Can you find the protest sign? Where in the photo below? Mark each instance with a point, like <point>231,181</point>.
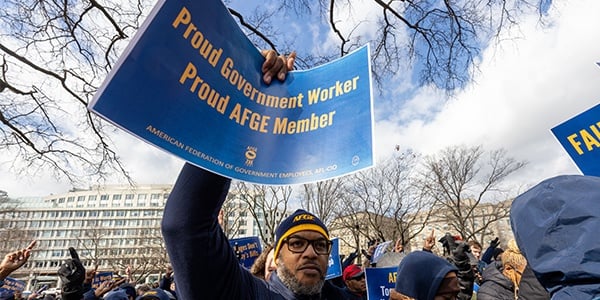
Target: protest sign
<point>580,137</point>
<point>13,284</point>
<point>190,83</point>
<point>334,268</point>
<point>247,249</point>
<point>101,277</point>
<point>379,282</point>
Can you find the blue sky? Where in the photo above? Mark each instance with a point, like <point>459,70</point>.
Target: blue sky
<point>524,87</point>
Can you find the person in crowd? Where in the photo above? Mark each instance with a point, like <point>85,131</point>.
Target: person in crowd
<point>167,282</point>
<point>501,278</point>
<point>195,240</point>
<point>264,265</point>
<point>459,254</point>
<point>15,260</point>
<point>555,224</point>
<point>140,289</point>
<point>11,262</point>
<point>423,275</point>
<point>354,279</point>
<point>492,252</point>
<point>399,246</point>
<point>477,264</point>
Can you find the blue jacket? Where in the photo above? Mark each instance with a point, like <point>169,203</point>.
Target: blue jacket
<point>556,226</point>
<point>204,263</point>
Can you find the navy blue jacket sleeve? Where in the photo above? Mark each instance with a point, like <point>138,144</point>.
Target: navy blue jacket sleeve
<point>204,264</point>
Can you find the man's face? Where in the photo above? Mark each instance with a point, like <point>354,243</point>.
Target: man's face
<point>357,284</point>
<point>476,252</point>
<point>303,273</point>
<point>270,265</point>
<point>449,288</point>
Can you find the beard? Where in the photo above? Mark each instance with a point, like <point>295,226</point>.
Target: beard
<point>291,282</point>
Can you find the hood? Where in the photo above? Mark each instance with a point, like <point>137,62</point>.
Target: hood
<point>556,226</point>
<point>420,274</point>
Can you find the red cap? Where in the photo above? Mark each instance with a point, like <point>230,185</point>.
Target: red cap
<point>352,271</point>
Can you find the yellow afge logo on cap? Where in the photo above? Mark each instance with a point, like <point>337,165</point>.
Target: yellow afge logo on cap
<point>304,217</point>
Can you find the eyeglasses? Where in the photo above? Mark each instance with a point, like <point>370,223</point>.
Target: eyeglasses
<point>357,278</point>
<point>298,244</point>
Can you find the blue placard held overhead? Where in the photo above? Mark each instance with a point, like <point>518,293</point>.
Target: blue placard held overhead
<point>190,83</point>
<point>334,268</point>
<point>580,136</point>
<point>247,249</point>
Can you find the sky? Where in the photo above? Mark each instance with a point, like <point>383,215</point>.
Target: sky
<point>524,88</point>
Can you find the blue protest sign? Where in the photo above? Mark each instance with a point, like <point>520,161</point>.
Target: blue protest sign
<point>379,282</point>
<point>247,249</point>
<point>13,284</point>
<point>580,137</point>
<point>334,267</point>
<point>190,83</point>
<point>101,277</point>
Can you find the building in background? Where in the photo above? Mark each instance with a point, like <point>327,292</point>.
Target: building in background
<point>110,226</point>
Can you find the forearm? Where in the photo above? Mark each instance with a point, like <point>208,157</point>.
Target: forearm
<point>200,254</point>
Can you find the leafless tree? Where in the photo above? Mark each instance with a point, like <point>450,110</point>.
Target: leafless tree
<point>462,180</point>
<point>268,205</point>
<point>322,198</point>
<point>382,202</point>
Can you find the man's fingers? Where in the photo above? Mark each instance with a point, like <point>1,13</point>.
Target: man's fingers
<point>291,59</point>
<point>31,245</point>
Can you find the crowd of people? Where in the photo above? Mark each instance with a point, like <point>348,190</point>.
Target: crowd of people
<point>555,253</point>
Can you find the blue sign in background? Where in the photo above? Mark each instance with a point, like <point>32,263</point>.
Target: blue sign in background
<point>13,284</point>
<point>247,249</point>
<point>334,268</point>
<point>580,137</point>
<point>190,83</point>
<point>379,282</point>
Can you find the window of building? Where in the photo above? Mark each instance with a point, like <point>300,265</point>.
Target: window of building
<point>142,196</point>
<point>61,200</point>
<point>121,213</point>
<point>116,197</point>
<point>71,199</point>
<point>80,198</point>
<point>104,197</point>
<point>92,198</point>
<point>93,213</point>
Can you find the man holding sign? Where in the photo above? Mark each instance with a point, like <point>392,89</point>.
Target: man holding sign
<point>195,240</point>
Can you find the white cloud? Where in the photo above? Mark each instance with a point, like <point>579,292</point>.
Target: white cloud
<point>524,89</point>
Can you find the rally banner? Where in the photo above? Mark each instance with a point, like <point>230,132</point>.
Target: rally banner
<point>190,83</point>
<point>379,282</point>
<point>247,249</point>
<point>13,284</point>
<point>334,268</point>
<point>580,137</point>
